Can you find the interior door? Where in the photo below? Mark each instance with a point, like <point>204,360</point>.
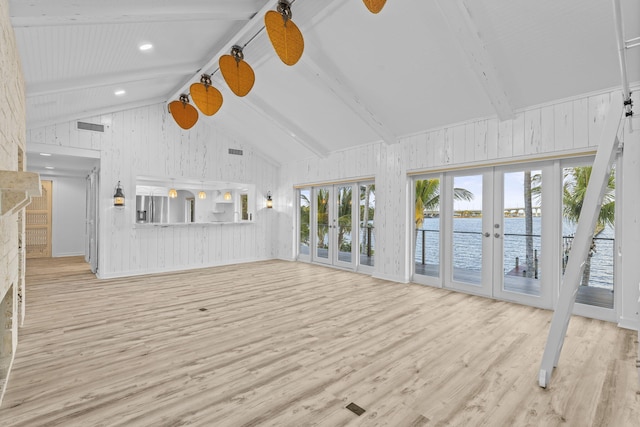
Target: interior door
<point>38,224</point>
<point>91,232</point>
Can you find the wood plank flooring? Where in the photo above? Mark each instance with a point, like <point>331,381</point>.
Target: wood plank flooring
<point>292,344</point>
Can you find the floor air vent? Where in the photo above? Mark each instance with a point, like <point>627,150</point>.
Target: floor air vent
<point>90,126</point>
<point>235,151</point>
<point>355,409</point>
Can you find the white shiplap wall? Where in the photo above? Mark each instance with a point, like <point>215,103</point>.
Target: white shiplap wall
<point>146,141</point>
<point>568,127</point>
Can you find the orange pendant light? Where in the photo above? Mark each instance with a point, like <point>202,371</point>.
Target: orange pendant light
<point>183,113</point>
<point>374,6</point>
<point>236,72</point>
<point>206,97</point>
<point>285,36</point>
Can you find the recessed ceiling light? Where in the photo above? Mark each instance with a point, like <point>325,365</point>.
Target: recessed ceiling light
<point>49,167</point>
<point>146,46</point>
<point>46,154</point>
<point>120,92</point>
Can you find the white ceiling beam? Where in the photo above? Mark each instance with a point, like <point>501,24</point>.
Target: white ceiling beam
<point>254,25</point>
<point>85,114</point>
<point>108,79</point>
<point>462,25</point>
<point>315,62</point>
<point>261,107</point>
<point>35,13</point>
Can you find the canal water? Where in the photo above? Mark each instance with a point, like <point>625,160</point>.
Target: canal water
<point>467,246</point>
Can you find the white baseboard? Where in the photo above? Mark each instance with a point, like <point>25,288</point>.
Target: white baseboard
<point>390,277</point>
<point>173,269</point>
<point>632,324</point>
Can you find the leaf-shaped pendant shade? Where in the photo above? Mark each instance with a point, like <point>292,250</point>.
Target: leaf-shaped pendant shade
<point>238,74</point>
<point>183,113</point>
<point>207,98</point>
<point>286,38</point>
<point>374,6</point>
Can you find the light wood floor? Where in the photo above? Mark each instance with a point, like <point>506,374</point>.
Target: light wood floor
<point>291,344</point>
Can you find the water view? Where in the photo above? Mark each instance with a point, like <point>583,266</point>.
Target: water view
<point>467,247</point>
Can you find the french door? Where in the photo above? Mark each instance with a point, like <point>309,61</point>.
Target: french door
<point>489,232</point>
<point>333,231</point>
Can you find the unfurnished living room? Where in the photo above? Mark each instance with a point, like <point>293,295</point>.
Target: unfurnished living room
<point>304,213</point>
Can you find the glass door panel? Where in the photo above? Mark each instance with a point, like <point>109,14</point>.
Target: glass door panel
<point>304,237</point>
<point>522,238</point>
<point>597,284</point>
<point>467,229</point>
<point>342,224</point>
<point>322,207</point>
<point>427,227</point>
<point>367,221</point>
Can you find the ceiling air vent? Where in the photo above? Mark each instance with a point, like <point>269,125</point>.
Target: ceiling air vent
<point>235,151</point>
<point>90,126</point>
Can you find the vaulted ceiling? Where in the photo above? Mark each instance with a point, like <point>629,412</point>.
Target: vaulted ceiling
<point>363,78</point>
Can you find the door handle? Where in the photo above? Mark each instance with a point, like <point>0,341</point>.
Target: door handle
<point>496,235</point>
<point>487,234</point>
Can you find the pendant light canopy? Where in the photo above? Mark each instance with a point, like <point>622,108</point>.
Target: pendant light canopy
<point>374,6</point>
<point>236,72</point>
<point>284,35</point>
<point>206,97</point>
<point>183,113</point>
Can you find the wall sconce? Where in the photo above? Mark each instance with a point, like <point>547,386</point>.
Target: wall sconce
<point>269,200</point>
<point>227,196</point>
<point>173,193</point>
<point>202,195</point>
<point>118,197</point>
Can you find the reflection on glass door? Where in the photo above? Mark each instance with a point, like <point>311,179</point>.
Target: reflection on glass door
<point>322,207</point>
<point>522,237</point>
<point>367,221</point>
<point>304,220</point>
<point>467,230</point>
<point>427,227</point>
<point>343,225</point>
<point>597,283</point>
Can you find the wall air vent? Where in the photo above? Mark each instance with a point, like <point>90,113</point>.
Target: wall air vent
<point>90,126</point>
<point>235,151</point>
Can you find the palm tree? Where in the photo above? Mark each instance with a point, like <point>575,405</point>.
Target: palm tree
<point>428,198</point>
<point>532,191</point>
<point>367,212</point>
<point>344,215</point>
<point>322,214</point>
<point>305,218</point>
<point>573,191</point>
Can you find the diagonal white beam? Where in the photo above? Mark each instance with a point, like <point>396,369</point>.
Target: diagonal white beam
<point>317,64</point>
<point>83,114</point>
<point>462,25</point>
<point>36,13</point>
<point>254,25</point>
<point>108,79</point>
<point>598,180</point>
<point>261,107</point>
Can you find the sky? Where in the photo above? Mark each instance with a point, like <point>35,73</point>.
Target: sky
<point>513,191</point>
